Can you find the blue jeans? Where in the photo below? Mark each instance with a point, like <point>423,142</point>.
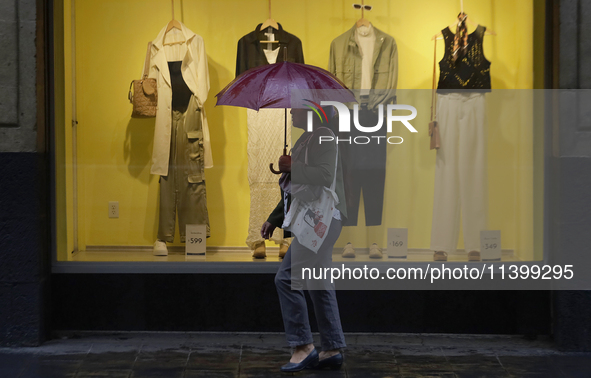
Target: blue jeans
<point>293,301</point>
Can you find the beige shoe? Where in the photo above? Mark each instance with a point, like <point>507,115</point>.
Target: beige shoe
<point>160,248</point>
<point>349,251</point>
<point>439,256</point>
<point>283,250</point>
<point>260,251</point>
<point>375,252</point>
<point>474,256</point>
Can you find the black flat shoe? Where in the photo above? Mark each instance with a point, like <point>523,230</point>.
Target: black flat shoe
<point>309,361</point>
<point>333,362</point>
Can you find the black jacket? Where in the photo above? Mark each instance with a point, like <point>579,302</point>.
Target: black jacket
<point>250,51</point>
<point>318,171</point>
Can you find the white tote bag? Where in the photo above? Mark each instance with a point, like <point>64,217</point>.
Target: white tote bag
<point>310,221</point>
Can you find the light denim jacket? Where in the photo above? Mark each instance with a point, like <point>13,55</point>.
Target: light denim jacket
<point>345,63</point>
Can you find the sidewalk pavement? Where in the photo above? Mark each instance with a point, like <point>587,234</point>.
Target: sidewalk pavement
<point>216,355</point>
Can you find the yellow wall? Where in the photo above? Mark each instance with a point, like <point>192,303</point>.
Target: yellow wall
<point>114,149</point>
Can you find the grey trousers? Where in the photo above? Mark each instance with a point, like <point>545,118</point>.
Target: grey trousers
<point>183,190</point>
<point>292,299</point>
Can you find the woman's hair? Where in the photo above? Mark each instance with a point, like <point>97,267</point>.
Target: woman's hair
<point>333,118</point>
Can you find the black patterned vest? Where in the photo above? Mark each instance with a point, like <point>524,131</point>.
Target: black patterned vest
<point>472,72</point>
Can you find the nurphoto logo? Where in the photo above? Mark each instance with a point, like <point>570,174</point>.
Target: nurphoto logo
<point>345,122</point>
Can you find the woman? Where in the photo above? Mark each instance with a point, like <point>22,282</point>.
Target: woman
<point>319,170</point>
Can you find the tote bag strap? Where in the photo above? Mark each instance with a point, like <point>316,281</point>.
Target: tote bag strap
<point>334,181</point>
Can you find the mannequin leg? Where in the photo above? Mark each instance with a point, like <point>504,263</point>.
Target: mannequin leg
<point>190,186</point>
<point>263,199</point>
<point>168,187</point>
<point>265,131</point>
<point>473,171</point>
<point>446,204</point>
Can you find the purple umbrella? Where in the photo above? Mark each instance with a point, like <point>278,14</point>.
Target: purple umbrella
<point>272,86</point>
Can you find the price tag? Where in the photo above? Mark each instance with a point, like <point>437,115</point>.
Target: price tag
<point>195,240</point>
<point>398,243</point>
<point>490,245</point>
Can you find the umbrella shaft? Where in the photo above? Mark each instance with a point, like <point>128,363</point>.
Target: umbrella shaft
<point>285,134</point>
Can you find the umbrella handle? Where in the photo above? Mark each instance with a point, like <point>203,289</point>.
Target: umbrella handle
<point>271,165</point>
<point>273,170</point>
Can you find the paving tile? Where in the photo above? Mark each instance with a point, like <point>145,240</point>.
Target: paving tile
<point>418,351</point>
<point>44,373</point>
<point>158,361</point>
<point>210,374</point>
<point>154,363</point>
<point>114,356</point>
<point>262,362</point>
<point>104,373</point>
<point>63,357</point>
<point>164,355</point>
<point>42,368</point>
<point>536,375</point>
<point>531,366</point>
<point>363,373</point>
<point>224,361</point>
<point>116,361</point>
<point>430,366</point>
<point>12,359</point>
<point>427,375</point>
<point>475,372</point>
<point>474,360</point>
<point>420,360</point>
<point>342,373</point>
<point>573,366</point>
<point>370,364</point>
<point>369,357</point>
<point>477,366</point>
<point>158,372</point>
<point>11,371</point>
<point>119,348</point>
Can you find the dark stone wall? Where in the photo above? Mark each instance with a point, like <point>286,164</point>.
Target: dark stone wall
<point>24,191</point>
<point>24,248</point>
<point>569,168</point>
<point>249,303</point>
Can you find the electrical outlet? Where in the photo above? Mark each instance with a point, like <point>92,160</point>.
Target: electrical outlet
<point>113,209</point>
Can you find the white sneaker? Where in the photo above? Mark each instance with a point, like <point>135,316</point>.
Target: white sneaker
<point>160,248</point>
<point>375,252</point>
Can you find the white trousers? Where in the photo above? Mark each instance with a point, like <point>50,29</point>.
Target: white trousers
<point>461,185</point>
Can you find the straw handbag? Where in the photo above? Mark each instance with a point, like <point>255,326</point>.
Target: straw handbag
<point>145,95</point>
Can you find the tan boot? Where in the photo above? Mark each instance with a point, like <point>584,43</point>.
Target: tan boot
<point>474,256</point>
<point>349,251</point>
<point>283,250</point>
<point>439,256</point>
<point>259,251</point>
<point>375,252</point>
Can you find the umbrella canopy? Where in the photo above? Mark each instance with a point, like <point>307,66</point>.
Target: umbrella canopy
<point>272,86</point>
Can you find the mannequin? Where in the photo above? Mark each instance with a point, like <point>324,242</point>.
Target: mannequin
<point>358,53</point>
<point>181,136</point>
<point>461,187</point>
<point>265,130</point>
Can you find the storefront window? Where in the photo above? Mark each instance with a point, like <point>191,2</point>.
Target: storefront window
<point>127,188</point>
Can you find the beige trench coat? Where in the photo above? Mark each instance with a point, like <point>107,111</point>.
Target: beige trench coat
<point>195,73</point>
